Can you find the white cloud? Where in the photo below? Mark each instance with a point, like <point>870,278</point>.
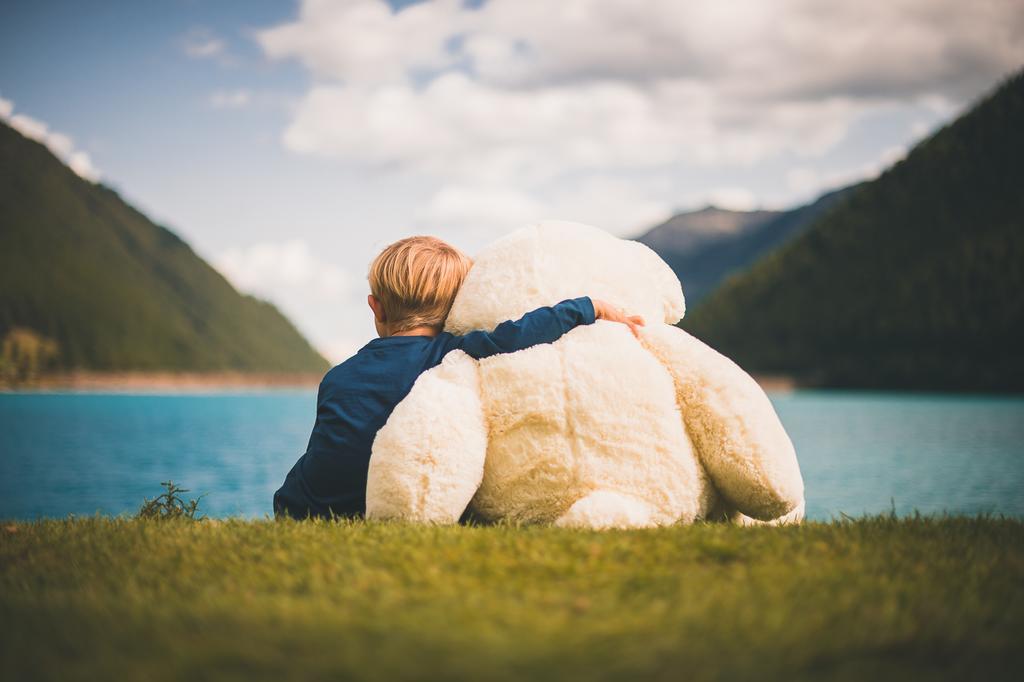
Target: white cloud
<point>306,288</point>
<point>363,40</point>
<point>467,206</point>
<point>230,99</point>
<point>59,143</point>
<point>202,43</point>
<point>80,163</point>
<point>31,128</point>
<point>732,198</point>
<point>261,268</point>
<point>524,101</point>
<point>458,128</point>
<point>750,48</point>
<point>919,129</point>
<point>62,146</point>
<point>620,205</point>
<point>889,156</point>
<point>807,183</point>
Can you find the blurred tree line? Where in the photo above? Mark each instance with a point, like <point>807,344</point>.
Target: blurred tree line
<point>24,355</point>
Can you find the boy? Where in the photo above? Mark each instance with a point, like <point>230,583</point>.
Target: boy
<point>413,284</point>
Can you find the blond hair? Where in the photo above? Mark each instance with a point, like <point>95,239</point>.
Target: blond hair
<point>416,280</point>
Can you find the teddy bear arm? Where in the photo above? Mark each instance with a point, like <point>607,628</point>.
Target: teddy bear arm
<point>736,433</point>
<point>428,459</point>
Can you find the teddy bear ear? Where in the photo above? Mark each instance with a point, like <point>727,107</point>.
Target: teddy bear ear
<point>550,261</point>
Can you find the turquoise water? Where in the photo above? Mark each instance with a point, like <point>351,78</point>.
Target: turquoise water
<point>76,453</point>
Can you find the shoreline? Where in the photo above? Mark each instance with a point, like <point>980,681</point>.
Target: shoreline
<point>166,381</point>
<point>776,383</point>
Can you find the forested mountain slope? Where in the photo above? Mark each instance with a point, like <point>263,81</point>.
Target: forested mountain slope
<point>915,280</point>
<point>106,289</point>
<point>703,258</point>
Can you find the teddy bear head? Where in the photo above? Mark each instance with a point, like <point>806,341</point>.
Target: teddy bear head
<point>546,262</point>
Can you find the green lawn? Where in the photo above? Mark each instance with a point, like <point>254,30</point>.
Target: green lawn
<point>874,598</point>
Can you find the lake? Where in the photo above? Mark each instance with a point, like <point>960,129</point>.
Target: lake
<point>82,453</point>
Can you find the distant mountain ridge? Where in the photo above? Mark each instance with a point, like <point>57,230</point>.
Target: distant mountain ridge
<point>686,232</point>
<point>81,268</point>
<point>914,280</point>
<point>706,246</point>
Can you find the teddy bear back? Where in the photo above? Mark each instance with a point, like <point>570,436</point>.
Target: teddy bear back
<point>549,261</point>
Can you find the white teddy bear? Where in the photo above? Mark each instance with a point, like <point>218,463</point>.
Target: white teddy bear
<point>596,430</point>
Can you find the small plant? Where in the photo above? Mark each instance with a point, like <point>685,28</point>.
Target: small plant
<point>170,505</point>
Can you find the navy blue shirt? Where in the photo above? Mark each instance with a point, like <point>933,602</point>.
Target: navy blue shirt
<point>357,396</point>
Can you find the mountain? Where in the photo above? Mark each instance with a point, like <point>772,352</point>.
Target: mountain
<point>915,280</point>
<point>702,257</point>
<point>685,233</point>
<point>98,286</point>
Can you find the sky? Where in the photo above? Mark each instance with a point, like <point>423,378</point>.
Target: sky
<point>288,142</point>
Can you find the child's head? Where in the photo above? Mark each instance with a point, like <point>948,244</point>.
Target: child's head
<point>413,283</point>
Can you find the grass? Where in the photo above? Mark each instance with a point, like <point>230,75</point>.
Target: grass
<point>888,598</point>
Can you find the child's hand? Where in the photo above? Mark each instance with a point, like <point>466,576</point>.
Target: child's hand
<point>606,311</point>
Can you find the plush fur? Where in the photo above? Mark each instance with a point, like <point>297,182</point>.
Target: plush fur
<point>428,460</point>
<point>555,260</point>
<point>596,430</point>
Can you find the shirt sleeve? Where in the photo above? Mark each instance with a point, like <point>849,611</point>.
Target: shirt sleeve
<point>543,325</point>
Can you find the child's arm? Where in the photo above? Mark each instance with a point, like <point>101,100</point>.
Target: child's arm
<point>543,325</point>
